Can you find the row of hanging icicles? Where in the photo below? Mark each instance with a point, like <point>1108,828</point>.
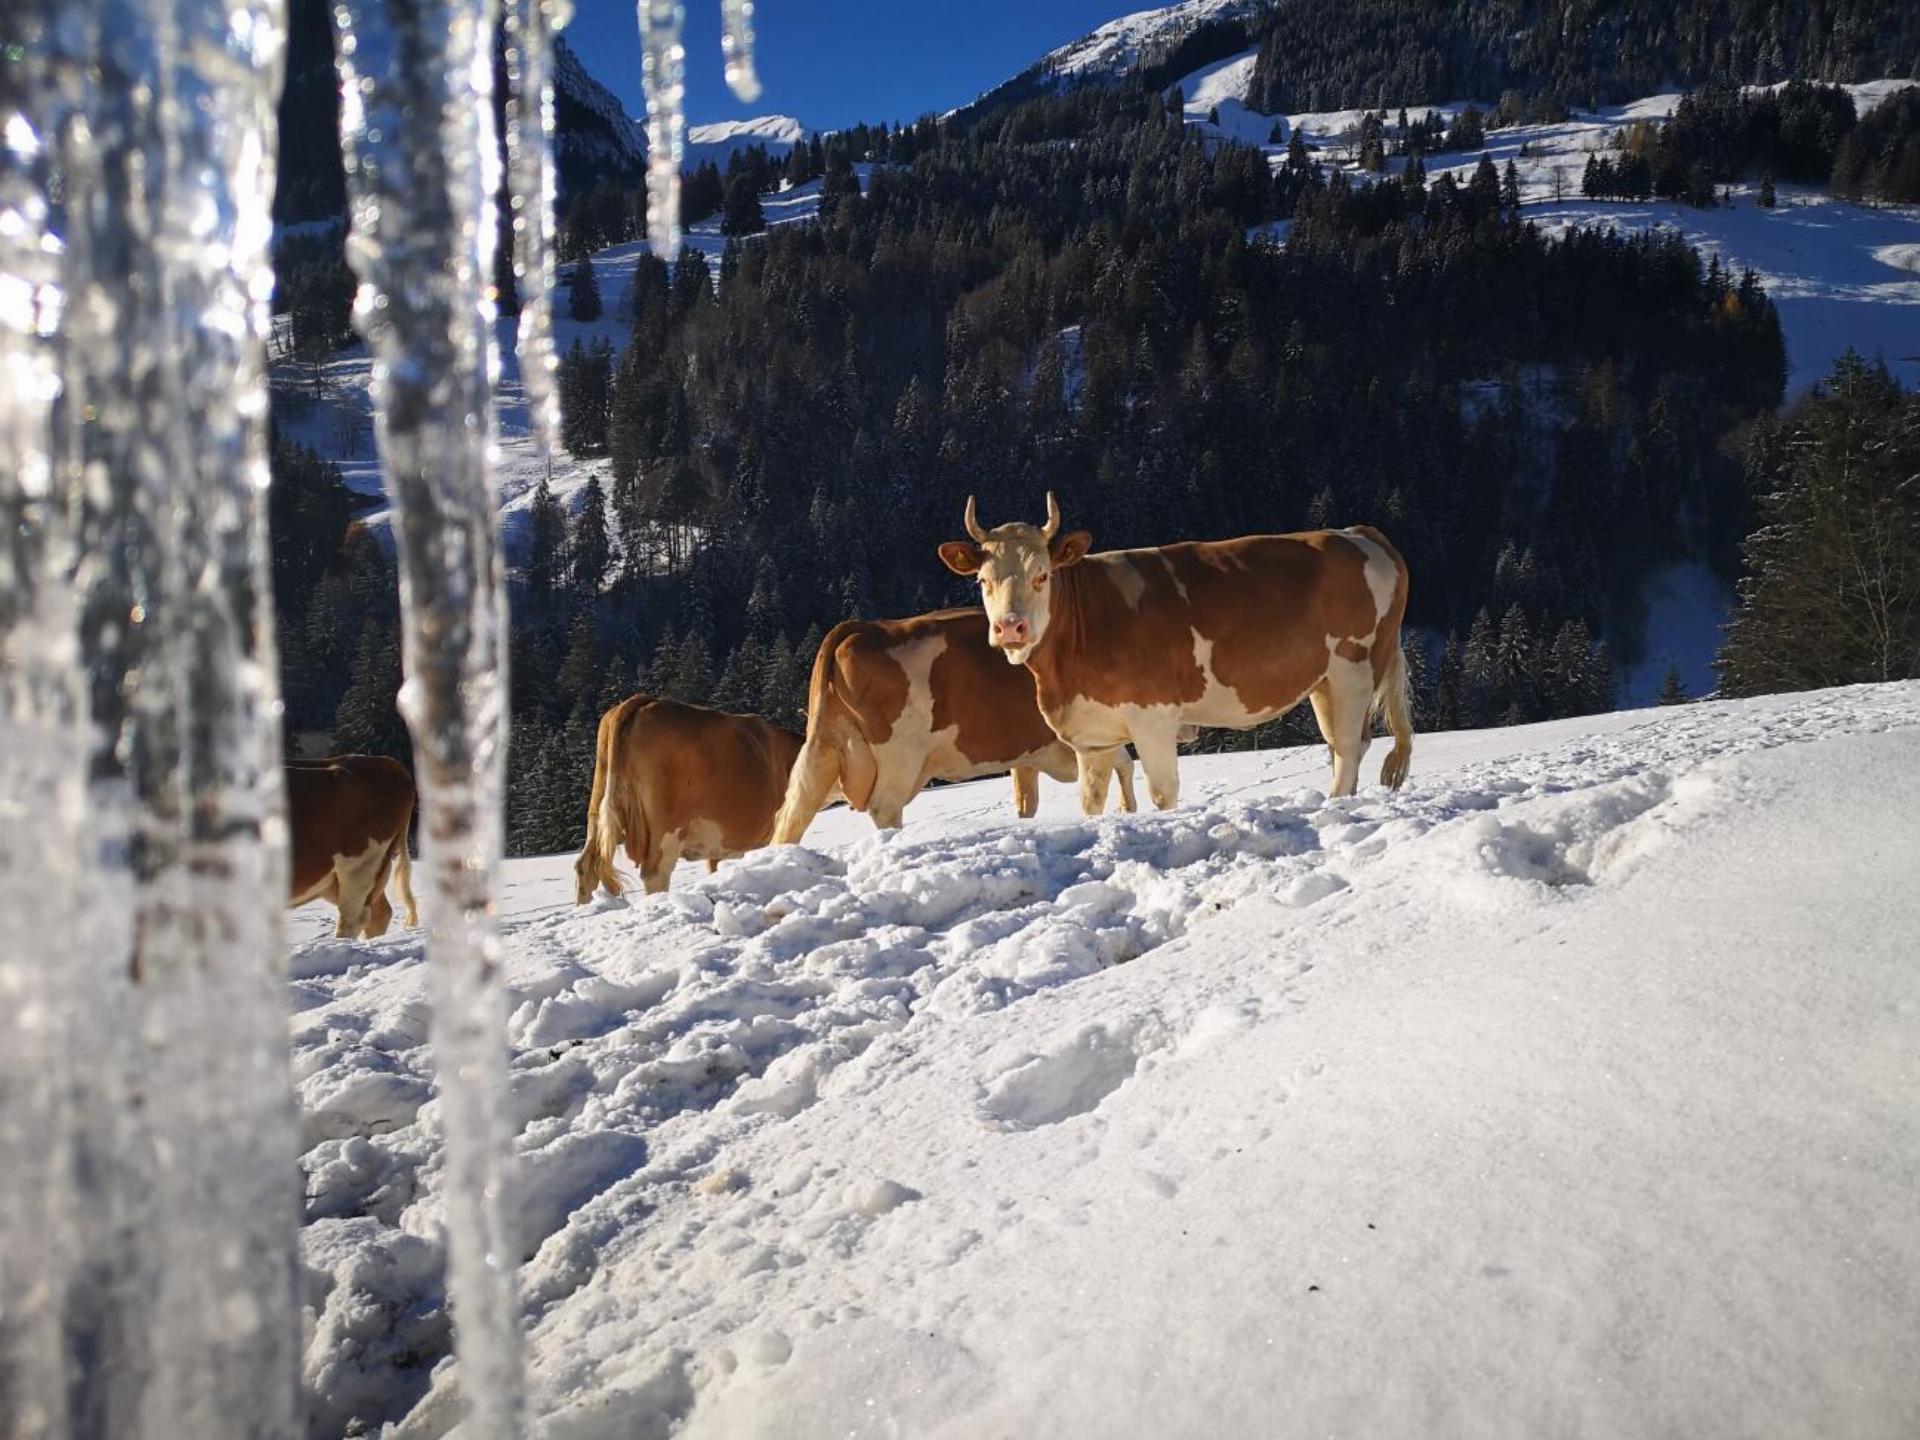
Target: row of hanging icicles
<point>149,1205</point>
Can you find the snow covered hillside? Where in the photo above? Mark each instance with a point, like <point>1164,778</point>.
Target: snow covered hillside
<point>1571,1090</point>
<point>1842,275</point>
<point>338,423</point>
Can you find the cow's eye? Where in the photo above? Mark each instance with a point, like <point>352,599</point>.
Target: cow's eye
<point>1039,582</point>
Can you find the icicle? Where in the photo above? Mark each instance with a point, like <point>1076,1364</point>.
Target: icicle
<point>737,46</point>
<point>530,181</point>
<point>42,786</point>
<point>134,614</point>
<point>415,114</point>
<point>663,76</point>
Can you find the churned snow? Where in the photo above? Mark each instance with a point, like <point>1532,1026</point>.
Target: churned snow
<point>1572,1089</point>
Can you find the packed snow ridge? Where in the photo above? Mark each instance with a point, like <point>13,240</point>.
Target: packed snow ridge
<point>1521,1099</point>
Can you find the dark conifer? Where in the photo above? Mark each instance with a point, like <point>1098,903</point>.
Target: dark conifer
<point>583,291</point>
<point>741,214</point>
<point>589,546</point>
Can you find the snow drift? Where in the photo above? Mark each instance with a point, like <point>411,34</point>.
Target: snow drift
<point>1570,1089</point>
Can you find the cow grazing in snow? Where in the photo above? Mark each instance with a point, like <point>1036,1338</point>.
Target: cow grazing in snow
<point>1134,644</point>
<point>673,782</point>
<point>895,704</point>
<point>347,820</point>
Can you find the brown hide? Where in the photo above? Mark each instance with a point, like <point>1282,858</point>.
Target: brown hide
<point>673,781</point>
<point>979,717</point>
<point>1270,606</point>
<point>973,686</point>
<point>337,809</point>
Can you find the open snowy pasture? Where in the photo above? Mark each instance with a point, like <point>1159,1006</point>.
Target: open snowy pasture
<point>1575,1089</point>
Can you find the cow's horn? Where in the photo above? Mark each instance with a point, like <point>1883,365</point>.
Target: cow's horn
<point>973,524</point>
<point>1052,527</point>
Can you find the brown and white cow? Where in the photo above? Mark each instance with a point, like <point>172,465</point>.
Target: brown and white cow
<point>674,781</point>
<point>1134,644</point>
<point>347,820</point>
<point>895,704</point>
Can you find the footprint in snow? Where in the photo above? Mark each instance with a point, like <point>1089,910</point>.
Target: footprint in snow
<point>1046,1089</point>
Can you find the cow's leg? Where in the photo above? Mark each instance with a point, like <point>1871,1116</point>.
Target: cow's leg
<point>403,878</point>
<point>1096,770</point>
<point>352,892</point>
<point>1348,694</point>
<point>1026,791</point>
<point>1322,698</point>
<point>1158,742</point>
<point>656,870</point>
<point>330,893</point>
<point>1123,767</point>
<point>379,913</point>
<point>895,787</point>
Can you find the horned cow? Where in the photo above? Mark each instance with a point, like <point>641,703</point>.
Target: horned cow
<point>347,820</point>
<point>674,781</point>
<point>1134,644</point>
<point>895,704</point>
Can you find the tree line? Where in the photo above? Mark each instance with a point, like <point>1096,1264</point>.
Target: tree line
<point>1344,54</point>
<point>1803,132</point>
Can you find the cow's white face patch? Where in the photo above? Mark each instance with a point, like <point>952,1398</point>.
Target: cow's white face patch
<point>1016,575</point>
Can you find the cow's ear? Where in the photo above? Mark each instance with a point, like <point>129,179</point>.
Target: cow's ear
<point>1071,548</point>
<point>961,557</point>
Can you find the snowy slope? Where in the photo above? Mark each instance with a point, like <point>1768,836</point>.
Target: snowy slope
<point>1569,1091</point>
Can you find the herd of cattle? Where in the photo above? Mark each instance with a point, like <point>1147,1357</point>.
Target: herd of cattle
<point>1073,657</point>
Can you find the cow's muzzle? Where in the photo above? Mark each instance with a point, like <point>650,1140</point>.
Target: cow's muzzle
<point>1010,631</point>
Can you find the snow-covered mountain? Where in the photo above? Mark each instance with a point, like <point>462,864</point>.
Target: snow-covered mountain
<point>1566,1090</point>
<point>594,135</point>
<point>1146,37</point>
<point>776,134</point>
<point>1142,37</point>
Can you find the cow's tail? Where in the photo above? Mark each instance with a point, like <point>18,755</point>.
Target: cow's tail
<point>1390,699</point>
<point>403,863</point>
<point>823,762</point>
<point>606,822</point>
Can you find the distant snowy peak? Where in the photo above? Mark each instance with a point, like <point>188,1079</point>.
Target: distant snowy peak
<point>776,134</point>
<point>1143,37</point>
<point>761,130</point>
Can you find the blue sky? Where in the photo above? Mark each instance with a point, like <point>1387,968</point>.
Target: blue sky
<point>834,62</point>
